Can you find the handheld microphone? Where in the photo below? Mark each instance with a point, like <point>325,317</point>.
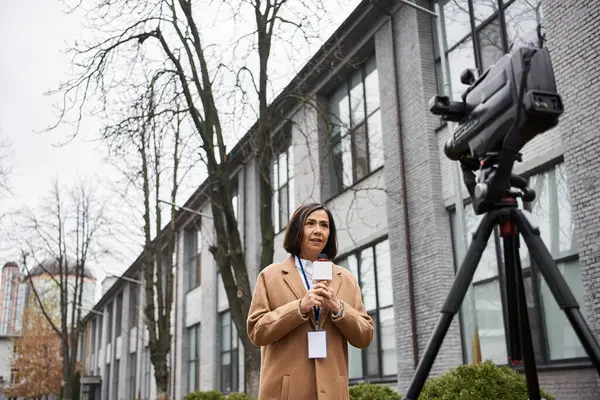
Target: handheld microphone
<point>322,268</point>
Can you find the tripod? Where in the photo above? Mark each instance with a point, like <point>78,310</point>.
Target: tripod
<point>511,221</point>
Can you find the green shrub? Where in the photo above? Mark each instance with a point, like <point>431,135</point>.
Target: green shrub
<point>369,391</point>
<point>475,382</point>
<point>216,395</point>
<point>209,395</point>
<point>239,396</point>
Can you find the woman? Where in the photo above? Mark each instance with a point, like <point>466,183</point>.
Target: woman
<point>287,307</point>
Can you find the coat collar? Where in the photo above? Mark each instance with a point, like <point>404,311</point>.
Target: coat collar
<point>292,278</point>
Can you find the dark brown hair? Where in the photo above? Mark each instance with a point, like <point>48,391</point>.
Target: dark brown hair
<point>295,230</point>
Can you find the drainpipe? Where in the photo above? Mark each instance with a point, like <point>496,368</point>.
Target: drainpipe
<point>175,288</point>
<point>407,241</point>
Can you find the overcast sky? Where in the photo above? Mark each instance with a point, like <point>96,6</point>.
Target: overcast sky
<point>32,41</point>
<point>32,37</point>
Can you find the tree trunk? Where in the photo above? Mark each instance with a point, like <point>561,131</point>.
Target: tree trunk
<point>266,207</point>
<point>161,375</point>
<point>252,370</point>
<point>67,389</point>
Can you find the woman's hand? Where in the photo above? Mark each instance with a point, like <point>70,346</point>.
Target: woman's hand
<point>315,297</point>
<point>330,300</point>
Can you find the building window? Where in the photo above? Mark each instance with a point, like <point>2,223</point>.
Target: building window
<point>146,377</point>
<point>109,324</point>
<point>282,181</point>
<point>372,267</point>
<point>193,358</point>
<point>355,121</point>
<point>523,18</point>
<point>115,385</point>
<point>92,333</point>
<point>235,199</point>
<point>132,371</point>
<point>228,353</point>
<point>193,257</point>
<point>134,301</point>
<point>119,315</point>
<point>553,337</point>
<point>106,390</point>
<point>100,319</point>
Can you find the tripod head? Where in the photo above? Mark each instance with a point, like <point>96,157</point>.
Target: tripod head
<point>481,186</point>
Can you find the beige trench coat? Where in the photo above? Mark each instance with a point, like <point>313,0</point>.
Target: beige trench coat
<point>277,326</point>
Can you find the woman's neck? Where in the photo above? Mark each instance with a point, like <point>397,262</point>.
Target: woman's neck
<point>308,256</point>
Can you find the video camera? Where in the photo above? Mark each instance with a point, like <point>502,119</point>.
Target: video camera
<point>502,110</point>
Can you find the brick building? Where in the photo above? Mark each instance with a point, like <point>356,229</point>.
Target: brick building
<point>377,162</point>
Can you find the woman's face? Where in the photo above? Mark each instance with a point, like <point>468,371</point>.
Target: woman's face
<point>315,234</point>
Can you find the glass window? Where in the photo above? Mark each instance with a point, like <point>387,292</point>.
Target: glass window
<point>456,21</point>
<point>372,267</point>
<point>193,358</point>
<point>282,181</point>
<point>524,23</point>
<point>490,43</point>
<point>134,301</point>
<point>115,385</point>
<point>193,256</point>
<point>235,201</point>
<point>228,346</point>
<point>132,371</point>
<point>355,122</point>
<point>109,326</point>
<point>553,337</point>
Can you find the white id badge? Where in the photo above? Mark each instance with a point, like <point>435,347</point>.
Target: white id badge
<point>317,344</point>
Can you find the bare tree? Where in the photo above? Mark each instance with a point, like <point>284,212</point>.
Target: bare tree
<point>62,239</point>
<point>165,37</point>
<point>151,138</point>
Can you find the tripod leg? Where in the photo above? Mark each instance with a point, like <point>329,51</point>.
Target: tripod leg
<point>512,310</point>
<point>558,286</point>
<point>520,330</point>
<point>455,297</point>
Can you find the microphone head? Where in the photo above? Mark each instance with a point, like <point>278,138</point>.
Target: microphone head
<point>323,257</point>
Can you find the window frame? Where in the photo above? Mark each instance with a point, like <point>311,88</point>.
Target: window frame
<point>233,353</point>
<point>193,332</point>
<point>134,304</point>
<point>110,316</point>
<point>132,375</point>
<point>193,262</point>
<point>334,130</point>
<point>529,272</point>
<point>374,313</point>
<point>279,223</point>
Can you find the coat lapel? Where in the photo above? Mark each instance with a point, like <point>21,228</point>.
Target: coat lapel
<point>292,278</point>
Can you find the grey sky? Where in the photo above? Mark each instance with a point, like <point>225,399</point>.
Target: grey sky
<point>32,38</point>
